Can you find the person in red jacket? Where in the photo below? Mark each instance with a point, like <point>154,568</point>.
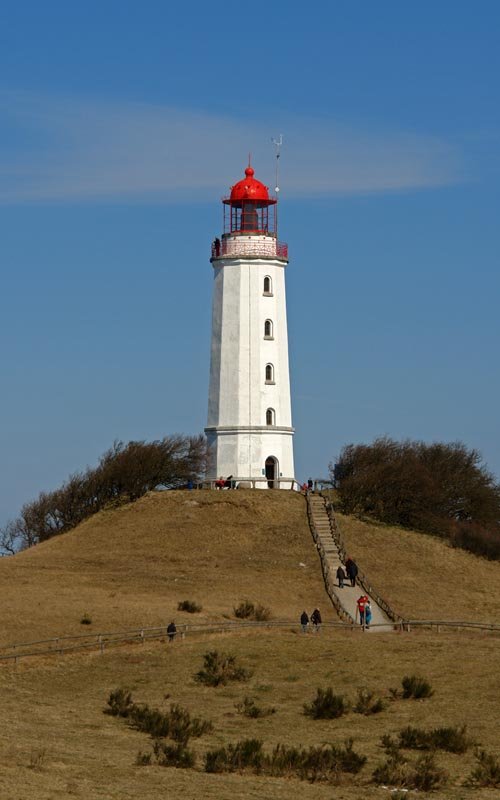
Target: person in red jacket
<point>361,604</point>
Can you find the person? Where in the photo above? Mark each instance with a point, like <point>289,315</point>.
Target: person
<point>316,619</point>
<point>219,483</point>
<point>228,483</point>
<point>361,604</point>
<point>171,631</point>
<point>304,621</point>
<point>309,485</point>
<point>217,246</point>
<point>340,576</point>
<point>352,570</point>
<point>368,614</point>
<point>304,487</point>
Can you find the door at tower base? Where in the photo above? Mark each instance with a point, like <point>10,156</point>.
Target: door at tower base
<point>265,458</point>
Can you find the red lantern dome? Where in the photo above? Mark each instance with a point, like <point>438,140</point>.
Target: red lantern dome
<point>250,189</point>
<point>249,207</point>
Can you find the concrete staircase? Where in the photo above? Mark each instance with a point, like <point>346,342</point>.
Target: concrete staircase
<point>319,521</point>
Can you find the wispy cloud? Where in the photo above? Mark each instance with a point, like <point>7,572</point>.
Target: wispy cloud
<point>61,149</point>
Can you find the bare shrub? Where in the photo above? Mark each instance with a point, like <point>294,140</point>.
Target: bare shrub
<point>221,668</point>
<point>486,772</point>
<point>245,610</point>
<point>367,703</point>
<point>249,708</point>
<point>416,688</point>
<point>326,705</point>
<point>173,755</point>
<point>190,606</point>
<point>248,610</point>
<point>314,764</point>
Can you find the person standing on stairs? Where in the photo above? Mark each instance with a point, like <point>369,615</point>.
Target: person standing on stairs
<point>361,604</point>
<point>368,615</point>
<point>340,576</point>
<point>352,570</point>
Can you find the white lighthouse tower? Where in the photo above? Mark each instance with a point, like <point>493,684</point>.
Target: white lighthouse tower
<point>249,430</point>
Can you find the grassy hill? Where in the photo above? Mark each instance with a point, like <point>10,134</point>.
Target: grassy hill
<point>129,567</point>
<point>132,565</point>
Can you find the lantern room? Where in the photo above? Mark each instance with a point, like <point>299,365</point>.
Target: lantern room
<point>249,209</point>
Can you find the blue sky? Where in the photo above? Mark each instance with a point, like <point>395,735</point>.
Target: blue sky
<point>121,126</point>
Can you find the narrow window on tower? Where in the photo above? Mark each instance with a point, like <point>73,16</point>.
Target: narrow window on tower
<point>269,373</point>
<point>268,286</point>
<point>270,417</point>
<point>268,329</point>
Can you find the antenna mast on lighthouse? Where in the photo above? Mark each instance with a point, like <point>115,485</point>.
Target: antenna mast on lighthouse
<point>277,143</point>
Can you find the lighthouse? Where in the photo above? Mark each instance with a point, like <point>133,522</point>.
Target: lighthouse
<point>249,429</point>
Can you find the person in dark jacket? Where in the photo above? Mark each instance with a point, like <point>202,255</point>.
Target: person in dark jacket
<point>340,576</point>
<point>352,570</point>
<point>171,631</point>
<point>316,619</point>
<point>304,621</point>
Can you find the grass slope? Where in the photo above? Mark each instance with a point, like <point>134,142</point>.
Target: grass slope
<point>132,565</point>
<point>55,742</point>
<point>421,576</point>
<point>129,567</point>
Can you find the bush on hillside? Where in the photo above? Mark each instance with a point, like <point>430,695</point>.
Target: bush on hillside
<point>176,723</point>
<point>326,705</point>
<point>423,775</point>
<point>325,763</point>
<point>439,488</point>
<point>124,473</point>
<point>453,739</point>
<point>247,610</point>
<point>416,688</point>
<point>190,606</point>
<point>486,772</point>
<point>221,668</point>
<point>249,708</point>
<point>367,703</point>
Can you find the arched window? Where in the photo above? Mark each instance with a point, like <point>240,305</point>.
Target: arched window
<point>268,285</point>
<point>268,329</point>
<point>269,373</point>
<point>270,417</point>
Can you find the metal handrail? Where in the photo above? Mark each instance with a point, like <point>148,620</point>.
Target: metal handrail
<point>325,568</point>
<point>279,483</point>
<point>361,578</point>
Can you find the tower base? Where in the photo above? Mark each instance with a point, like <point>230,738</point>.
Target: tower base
<point>261,457</point>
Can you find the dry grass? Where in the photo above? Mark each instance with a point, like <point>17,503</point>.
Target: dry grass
<point>421,576</point>
<point>88,754</point>
<point>131,566</point>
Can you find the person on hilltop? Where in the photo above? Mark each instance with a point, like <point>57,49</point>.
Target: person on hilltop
<point>316,619</point>
<point>340,576</point>
<point>352,570</point>
<point>310,485</point>
<point>304,621</point>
